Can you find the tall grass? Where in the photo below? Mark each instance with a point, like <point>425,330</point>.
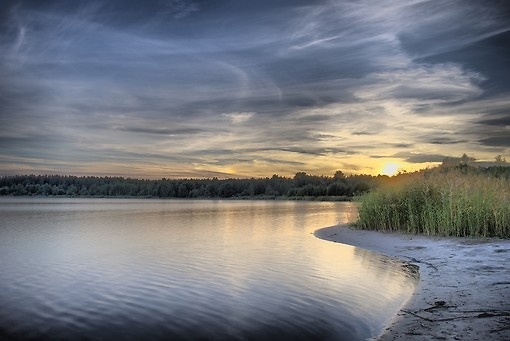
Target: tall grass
<point>445,204</point>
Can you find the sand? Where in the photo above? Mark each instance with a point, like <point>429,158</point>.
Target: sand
<point>464,287</point>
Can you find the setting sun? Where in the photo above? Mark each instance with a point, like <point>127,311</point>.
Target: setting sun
<point>389,169</point>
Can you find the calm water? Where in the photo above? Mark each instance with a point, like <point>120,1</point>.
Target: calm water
<point>107,269</point>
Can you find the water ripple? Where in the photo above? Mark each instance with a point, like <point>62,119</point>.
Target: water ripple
<point>204,270</point>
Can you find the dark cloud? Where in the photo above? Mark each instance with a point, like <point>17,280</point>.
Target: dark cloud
<point>162,131</point>
<point>361,133</point>
<point>502,121</point>
<point>403,145</point>
<point>420,158</point>
<point>494,131</point>
<point>488,56</point>
<point>500,140</point>
<point>471,33</point>
<point>442,140</point>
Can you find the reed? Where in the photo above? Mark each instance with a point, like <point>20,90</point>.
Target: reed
<point>435,203</point>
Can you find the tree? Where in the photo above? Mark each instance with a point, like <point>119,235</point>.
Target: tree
<point>465,159</point>
<point>339,175</point>
<point>300,179</point>
<point>226,190</point>
<point>500,159</point>
<point>183,191</point>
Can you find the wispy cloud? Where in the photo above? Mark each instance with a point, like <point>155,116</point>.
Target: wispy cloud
<point>238,117</point>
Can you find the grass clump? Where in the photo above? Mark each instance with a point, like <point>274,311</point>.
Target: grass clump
<point>444,203</point>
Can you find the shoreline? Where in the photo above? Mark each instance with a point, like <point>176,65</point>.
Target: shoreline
<point>464,287</point>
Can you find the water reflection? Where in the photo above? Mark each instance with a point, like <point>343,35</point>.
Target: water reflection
<point>131,269</point>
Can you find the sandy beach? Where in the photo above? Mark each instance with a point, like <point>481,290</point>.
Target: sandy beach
<point>464,287</point>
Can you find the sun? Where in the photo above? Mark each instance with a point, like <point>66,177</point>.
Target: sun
<point>389,169</point>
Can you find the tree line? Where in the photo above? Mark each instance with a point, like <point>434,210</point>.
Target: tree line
<point>301,185</point>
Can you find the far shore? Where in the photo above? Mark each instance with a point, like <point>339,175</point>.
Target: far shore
<point>325,198</point>
<point>464,288</point>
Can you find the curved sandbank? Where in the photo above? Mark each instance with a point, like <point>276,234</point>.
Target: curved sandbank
<point>464,288</point>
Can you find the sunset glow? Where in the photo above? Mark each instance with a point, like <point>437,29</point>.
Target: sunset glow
<point>390,169</point>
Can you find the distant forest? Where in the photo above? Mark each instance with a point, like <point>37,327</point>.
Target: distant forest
<point>301,186</point>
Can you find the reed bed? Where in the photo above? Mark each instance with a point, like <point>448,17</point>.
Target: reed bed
<point>443,204</point>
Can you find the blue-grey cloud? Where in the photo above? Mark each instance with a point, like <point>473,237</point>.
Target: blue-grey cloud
<point>500,140</point>
<point>420,158</point>
<point>441,140</point>
<point>232,87</point>
<point>501,121</point>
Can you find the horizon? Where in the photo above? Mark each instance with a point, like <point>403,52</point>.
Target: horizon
<point>195,178</point>
<point>389,172</point>
<point>192,89</point>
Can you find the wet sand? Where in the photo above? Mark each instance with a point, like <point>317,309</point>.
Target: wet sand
<point>464,287</point>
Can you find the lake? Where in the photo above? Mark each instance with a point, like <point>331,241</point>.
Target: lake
<point>130,269</point>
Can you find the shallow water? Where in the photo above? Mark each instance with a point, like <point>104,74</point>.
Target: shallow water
<point>174,269</point>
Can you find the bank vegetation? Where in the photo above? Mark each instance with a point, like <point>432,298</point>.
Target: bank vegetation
<point>460,201</point>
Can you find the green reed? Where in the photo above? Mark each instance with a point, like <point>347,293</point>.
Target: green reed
<point>450,204</point>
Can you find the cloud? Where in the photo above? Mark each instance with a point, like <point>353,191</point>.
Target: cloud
<point>419,158</point>
<point>503,140</point>
<point>238,117</point>
<point>502,121</point>
<point>161,131</point>
<point>436,84</point>
<point>440,27</point>
<point>441,140</point>
<point>243,86</point>
<point>179,9</point>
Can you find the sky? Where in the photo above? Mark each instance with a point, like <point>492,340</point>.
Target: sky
<point>235,88</point>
